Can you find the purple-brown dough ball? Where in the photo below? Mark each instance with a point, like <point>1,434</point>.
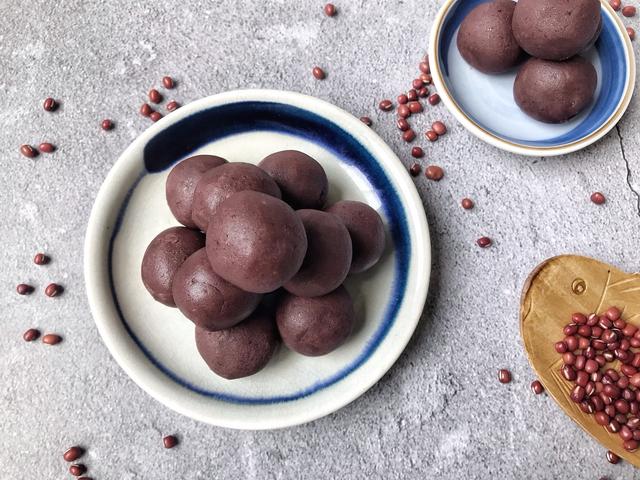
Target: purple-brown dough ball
<point>241,350</point>
<point>256,241</point>
<point>556,30</point>
<point>366,230</point>
<point>302,180</point>
<point>554,92</point>
<point>218,184</point>
<point>181,185</point>
<point>315,326</point>
<point>328,257</point>
<point>207,299</point>
<point>485,39</point>
<point>164,256</point>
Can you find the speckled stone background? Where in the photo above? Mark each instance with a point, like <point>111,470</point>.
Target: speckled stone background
<point>440,412</point>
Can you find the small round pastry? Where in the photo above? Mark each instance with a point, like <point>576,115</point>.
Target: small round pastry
<point>302,180</point>
<point>164,255</point>
<point>181,185</point>
<point>218,184</point>
<point>207,299</point>
<point>485,39</point>
<point>328,257</point>
<point>315,326</point>
<point>256,241</point>
<point>366,230</point>
<point>556,30</point>
<point>242,350</point>
<point>554,92</point>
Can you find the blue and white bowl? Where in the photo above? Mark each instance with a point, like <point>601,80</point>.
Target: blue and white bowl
<point>155,344</point>
<point>484,103</point>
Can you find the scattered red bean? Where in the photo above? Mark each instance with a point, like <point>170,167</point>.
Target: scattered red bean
<point>504,376</point>
<point>434,172</point>
<point>536,387</point>
<point>630,445</point>
<point>329,9</point>
<point>409,136</point>
<point>386,105</point>
<point>434,99</point>
<point>613,313</point>
<point>403,111</point>
<point>73,454</point>
<point>424,67</point>
<point>612,457</point>
<point>431,135</point>
<point>484,242</point>
<point>403,125</point>
<point>146,110</point>
<point>50,104</point>
<point>31,335</point>
<point>412,95</point>
<point>426,78</point>
<point>51,339</point>
<point>632,33</point>
<point>439,128</point>
<point>402,99</point>
<point>417,152</point>
<point>423,92</point>
<point>417,84</point>
<point>155,96</point>
<point>77,469</point>
<point>366,120</point>
<point>317,72</point>
<point>615,4</point>
<point>173,105</point>
<point>167,82</point>
<point>28,151</point>
<point>155,116</point>
<point>53,289</point>
<point>415,107</point>
<point>169,441</point>
<point>598,198</point>
<point>24,289</point>
<point>629,11</point>
<point>46,147</point>
<point>107,124</point>
<point>467,203</point>
<point>415,170</point>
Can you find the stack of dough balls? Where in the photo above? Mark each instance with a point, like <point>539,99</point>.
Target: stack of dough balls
<point>554,84</point>
<point>260,258</point>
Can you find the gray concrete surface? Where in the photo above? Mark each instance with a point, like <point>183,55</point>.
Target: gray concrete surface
<point>439,413</point>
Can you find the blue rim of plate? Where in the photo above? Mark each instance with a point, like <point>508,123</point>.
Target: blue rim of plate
<point>182,138</point>
<point>616,57</point>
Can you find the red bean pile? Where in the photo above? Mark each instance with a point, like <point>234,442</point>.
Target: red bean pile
<point>591,344</point>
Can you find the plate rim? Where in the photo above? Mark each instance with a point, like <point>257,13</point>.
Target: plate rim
<point>95,264</point>
<point>514,147</point>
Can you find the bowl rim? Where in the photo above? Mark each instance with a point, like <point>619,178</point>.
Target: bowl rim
<point>519,148</point>
<point>165,390</point>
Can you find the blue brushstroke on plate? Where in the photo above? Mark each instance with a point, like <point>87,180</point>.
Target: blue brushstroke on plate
<point>182,138</point>
<point>612,79</point>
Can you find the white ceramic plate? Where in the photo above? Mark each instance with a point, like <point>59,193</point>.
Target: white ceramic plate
<point>155,344</point>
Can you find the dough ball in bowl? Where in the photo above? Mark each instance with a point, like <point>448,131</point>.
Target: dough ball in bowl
<point>164,256</point>
<point>207,299</point>
<point>181,185</point>
<point>218,184</point>
<point>328,257</point>
<point>315,326</point>
<point>485,39</point>
<point>554,92</point>
<point>302,180</point>
<point>242,350</point>
<point>556,29</point>
<point>256,241</point>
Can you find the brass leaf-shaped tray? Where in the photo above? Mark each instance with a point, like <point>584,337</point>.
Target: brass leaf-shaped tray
<point>555,289</point>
